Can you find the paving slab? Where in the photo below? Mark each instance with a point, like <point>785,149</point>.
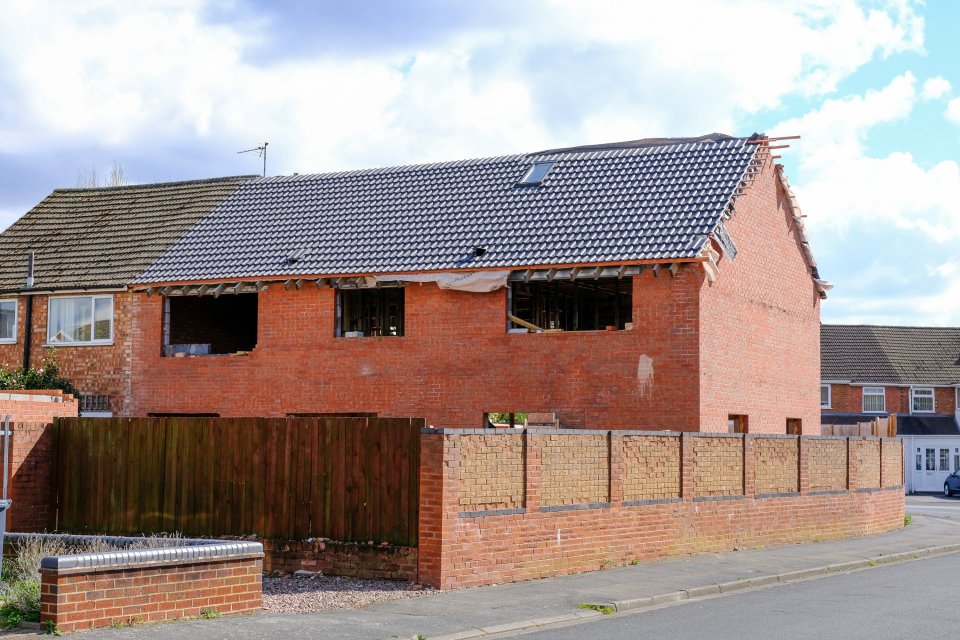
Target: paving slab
<point>473,613</point>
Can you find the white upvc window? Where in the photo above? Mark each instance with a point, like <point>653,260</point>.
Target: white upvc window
<point>8,321</point>
<point>80,320</point>
<point>922,400</point>
<point>874,400</point>
<point>824,396</point>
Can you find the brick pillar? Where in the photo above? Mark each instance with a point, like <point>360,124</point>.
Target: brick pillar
<point>439,480</point>
<point>33,477</point>
<point>803,462</point>
<point>749,477</point>
<point>616,470</point>
<point>687,441</point>
<point>532,451</point>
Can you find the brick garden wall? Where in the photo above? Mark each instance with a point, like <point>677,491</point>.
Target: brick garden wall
<point>33,455</point>
<point>661,494</point>
<point>332,558</point>
<point>78,599</point>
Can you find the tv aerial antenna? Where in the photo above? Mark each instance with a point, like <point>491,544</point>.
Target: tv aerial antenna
<point>262,152</point>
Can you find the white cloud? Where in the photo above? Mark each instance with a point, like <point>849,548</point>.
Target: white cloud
<point>875,218</point>
<point>935,87</point>
<point>843,187</point>
<point>953,111</point>
<point>138,75</point>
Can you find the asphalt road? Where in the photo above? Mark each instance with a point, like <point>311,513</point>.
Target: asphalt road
<point>938,506</point>
<point>910,600</point>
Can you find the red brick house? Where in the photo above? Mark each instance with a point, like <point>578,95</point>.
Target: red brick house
<point>653,284</point>
<point>87,246</point>
<point>913,372</point>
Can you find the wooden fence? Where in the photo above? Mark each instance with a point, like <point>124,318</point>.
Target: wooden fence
<point>884,427</point>
<point>349,479</point>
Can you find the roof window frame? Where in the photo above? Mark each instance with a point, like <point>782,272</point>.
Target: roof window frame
<point>532,178</point>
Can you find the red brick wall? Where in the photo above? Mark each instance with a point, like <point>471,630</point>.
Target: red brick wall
<point>99,370</point>
<point>455,362</point>
<point>80,599</point>
<point>845,398</point>
<point>341,558</point>
<point>33,455</point>
<point>460,548</point>
<point>760,322</point>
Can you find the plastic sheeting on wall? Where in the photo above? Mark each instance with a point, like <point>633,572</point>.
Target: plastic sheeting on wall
<point>475,281</point>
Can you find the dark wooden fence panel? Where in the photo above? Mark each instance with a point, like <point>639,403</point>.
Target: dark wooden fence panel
<point>350,478</point>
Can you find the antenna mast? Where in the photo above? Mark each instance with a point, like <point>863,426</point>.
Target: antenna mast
<point>262,152</point>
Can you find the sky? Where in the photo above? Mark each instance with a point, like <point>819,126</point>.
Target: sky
<point>173,90</point>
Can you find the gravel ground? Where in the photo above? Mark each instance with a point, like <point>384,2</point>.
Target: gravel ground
<point>311,594</point>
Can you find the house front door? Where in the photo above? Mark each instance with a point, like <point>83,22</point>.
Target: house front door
<point>936,462</point>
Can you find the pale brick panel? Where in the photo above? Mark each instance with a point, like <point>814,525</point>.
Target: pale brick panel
<point>718,467</point>
<point>651,467</point>
<point>776,465</point>
<point>491,472</point>
<point>892,463</point>
<point>575,469</point>
<point>827,464</point>
<point>868,463</point>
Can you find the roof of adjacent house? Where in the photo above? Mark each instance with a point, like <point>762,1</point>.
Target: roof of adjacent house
<point>890,355</point>
<point>103,237</point>
<point>633,201</point>
<point>915,425</point>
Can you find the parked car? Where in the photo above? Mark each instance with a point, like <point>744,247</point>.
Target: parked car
<point>952,483</point>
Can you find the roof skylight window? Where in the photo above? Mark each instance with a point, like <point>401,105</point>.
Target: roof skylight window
<point>535,174</point>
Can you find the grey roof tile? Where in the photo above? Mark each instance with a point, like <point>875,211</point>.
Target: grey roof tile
<point>891,355</point>
<point>638,202</point>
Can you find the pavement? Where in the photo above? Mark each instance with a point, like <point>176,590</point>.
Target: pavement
<point>497,611</point>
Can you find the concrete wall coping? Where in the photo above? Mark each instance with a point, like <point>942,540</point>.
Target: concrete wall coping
<point>187,550</point>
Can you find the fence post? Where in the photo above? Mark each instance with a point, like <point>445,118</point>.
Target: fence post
<point>803,466</point>
<point>749,475</point>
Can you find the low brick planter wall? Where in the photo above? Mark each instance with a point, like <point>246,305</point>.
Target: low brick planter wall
<point>149,585</point>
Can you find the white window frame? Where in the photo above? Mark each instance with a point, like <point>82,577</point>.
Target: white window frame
<point>932,396</point>
<point>93,310</point>
<point>16,320</point>
<point>873,392</point>
<point>829,403</point>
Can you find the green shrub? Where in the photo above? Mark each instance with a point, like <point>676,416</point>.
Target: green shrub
<point>21,603</point>
<point>46,377</point>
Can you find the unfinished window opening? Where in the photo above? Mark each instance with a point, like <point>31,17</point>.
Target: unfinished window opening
<point>571,305</point>
<point>370,312</point>
<point>737,423</point>
<point>794,426</point>
<point>204,325</point>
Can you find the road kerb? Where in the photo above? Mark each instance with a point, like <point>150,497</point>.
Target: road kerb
<point>705,591</point>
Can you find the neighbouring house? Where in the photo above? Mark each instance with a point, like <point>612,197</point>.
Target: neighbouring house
<point>65,268</point>
<point>912,372</point>
<point>652,284</point>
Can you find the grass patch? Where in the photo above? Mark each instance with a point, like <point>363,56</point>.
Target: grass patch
<point>210,614</point>
<point>907,519</point>
<point>605,609</point>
